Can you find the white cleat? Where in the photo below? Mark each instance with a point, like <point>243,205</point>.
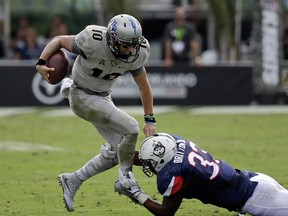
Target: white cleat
<point>70,183</point>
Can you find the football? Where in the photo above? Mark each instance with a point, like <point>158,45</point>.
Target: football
<point>59,60</point>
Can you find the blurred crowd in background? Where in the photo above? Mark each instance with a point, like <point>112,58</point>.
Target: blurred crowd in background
<point>32,28</point>
<point>26,43</point>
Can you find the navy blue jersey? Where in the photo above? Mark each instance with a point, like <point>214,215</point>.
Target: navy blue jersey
<point>204,178</point>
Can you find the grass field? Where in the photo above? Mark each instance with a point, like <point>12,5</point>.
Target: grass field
<point>35,148</point>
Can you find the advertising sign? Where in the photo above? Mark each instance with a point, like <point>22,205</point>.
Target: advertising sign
<point>23,86</point>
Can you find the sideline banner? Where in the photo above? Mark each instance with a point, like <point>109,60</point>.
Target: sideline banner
<point>22,86</point>
<point>191,86</point>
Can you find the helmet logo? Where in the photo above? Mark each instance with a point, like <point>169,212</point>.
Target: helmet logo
<point>159,149</point>
<point>114,28</point>
<point>133,24</point>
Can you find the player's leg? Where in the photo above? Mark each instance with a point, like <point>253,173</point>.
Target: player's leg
<point>96,110</point>
<point>81,105</point>
<point>121,133</point>
<point>71,182</point>
<point>269,198</point>
<point>118,128</point>
<point>124,137</point>
<point>106,159</point>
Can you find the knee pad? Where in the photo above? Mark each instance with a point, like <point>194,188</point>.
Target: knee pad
<point>107,152</point>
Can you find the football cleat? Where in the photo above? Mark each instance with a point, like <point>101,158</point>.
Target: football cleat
<point>70,183</point>
<point>123,191</point>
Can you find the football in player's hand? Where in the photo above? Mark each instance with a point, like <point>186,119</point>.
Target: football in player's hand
<point>60,62</point>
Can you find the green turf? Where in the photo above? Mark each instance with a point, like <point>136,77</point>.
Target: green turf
<point>28,180</point>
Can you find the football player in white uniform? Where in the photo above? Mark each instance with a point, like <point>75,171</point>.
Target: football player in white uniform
<point>104,53</point>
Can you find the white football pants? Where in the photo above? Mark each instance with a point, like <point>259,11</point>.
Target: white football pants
<point>115,126</point>
<point>268,199</point>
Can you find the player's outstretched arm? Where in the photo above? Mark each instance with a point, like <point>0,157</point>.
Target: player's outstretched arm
<point>147,101</point>
<point>168,207</point>
<point>128,186</point>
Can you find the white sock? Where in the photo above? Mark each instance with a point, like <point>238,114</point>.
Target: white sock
<point>95,166</point>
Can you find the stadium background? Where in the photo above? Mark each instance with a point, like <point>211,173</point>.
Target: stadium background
<point>37,143</point>
<point>247,71</point>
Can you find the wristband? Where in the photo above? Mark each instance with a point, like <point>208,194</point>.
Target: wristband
<point>142,197</point>
<point>150,119</point>
<point>41,62</point>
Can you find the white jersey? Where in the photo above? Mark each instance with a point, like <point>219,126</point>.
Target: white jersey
<point>100,68</point>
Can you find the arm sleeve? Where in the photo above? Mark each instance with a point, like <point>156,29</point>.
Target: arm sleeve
<point>174,187</point>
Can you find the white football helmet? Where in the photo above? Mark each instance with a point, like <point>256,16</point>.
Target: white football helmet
<point>156,151</point>
<point>124,29</point>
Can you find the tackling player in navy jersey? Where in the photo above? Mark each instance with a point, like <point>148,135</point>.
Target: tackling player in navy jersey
<point>103,54</point>
<point>186,171</point>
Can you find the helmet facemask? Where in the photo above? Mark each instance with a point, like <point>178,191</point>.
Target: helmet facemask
<point>148,167</point>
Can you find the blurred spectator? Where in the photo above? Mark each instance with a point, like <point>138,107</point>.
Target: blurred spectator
<point>28,47</point>
<point>23,26</point>
<point>57,27</point>
<point>180,41</point>
<point>17,37</point>
<point>177,3</point>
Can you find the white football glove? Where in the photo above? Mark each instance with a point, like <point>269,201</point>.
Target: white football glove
<point>129,182</point>
<point>128,186</point>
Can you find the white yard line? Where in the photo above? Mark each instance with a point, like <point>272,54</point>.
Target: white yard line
<point>14,145</point>
<point>132,110</point>
<point>260,109</point>
<point>66,111</point>
<point>138,110</point>
<point>10,111</point>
